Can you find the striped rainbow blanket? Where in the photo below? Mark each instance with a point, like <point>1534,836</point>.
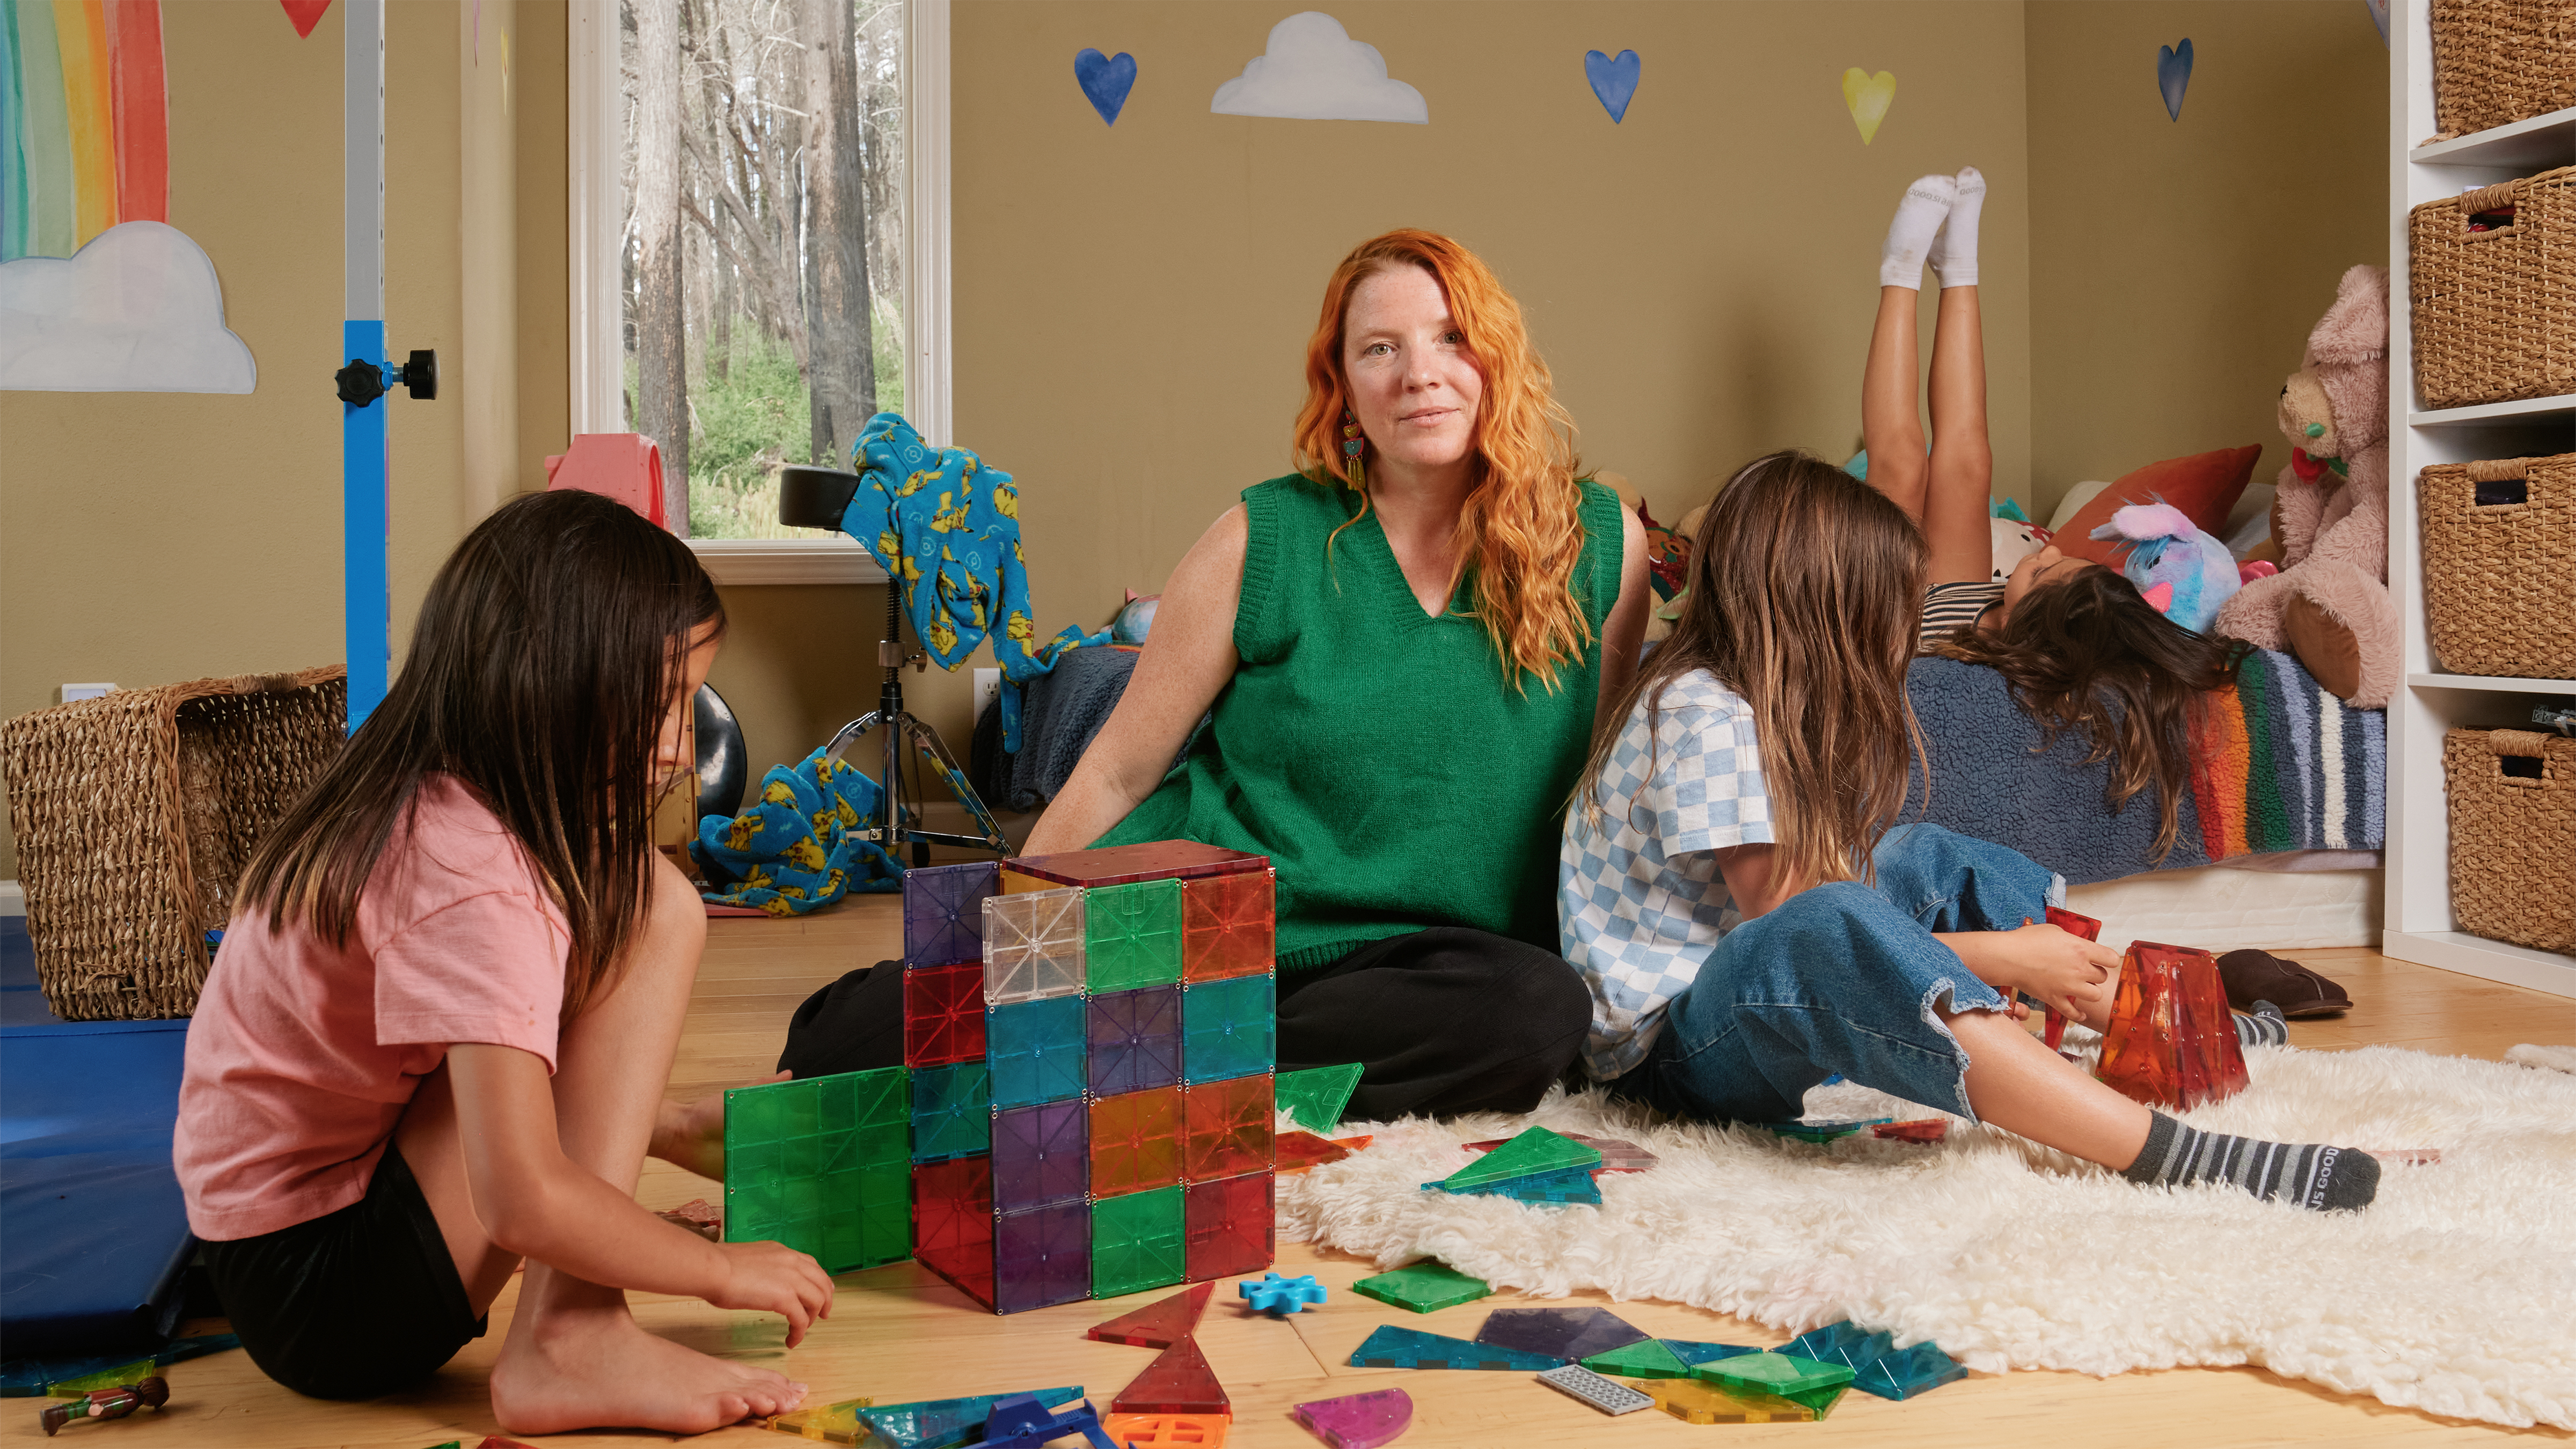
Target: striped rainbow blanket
<point>2277,764</point>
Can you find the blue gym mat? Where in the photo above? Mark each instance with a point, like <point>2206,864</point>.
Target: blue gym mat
<point>93,1234</point>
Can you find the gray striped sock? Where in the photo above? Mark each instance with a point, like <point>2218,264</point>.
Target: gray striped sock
<point>2312,1176</point>
<point>2263,1026</point>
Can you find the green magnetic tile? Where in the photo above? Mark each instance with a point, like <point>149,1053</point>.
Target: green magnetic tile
<point>1534,1151</point>
<point>1315,1097</point>
<point>952,1111</point>
<point>1821,1400</point>
<point>1131,935</point>
<point>1772,1373</point>
<point>1136,1242</point>
<point>1228,1028</point>
<point>822,1164</point>
<point>1424,1287</point>
<point>1648,1360</point>
<point>1693,1353</point>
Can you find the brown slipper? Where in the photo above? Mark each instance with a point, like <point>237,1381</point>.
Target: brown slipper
<point>2253,976</point>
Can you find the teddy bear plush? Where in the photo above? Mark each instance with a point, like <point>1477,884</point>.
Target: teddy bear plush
<point>2329,604</point>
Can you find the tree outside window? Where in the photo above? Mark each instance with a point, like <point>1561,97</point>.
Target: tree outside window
<point>762,250</point>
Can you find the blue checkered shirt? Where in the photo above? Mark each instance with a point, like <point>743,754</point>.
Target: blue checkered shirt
<point>1640,903</point>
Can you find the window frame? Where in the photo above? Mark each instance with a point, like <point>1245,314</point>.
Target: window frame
<point>593,134</point>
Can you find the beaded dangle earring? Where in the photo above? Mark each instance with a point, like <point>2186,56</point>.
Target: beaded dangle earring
<point>1353,444</point>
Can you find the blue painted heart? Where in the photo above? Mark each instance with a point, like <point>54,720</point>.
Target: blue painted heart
<point>1106,80</point>
<point>1614,82</point>
<point>2173,75</point>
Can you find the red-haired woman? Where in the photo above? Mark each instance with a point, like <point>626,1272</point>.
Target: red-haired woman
<point>1404,645</point>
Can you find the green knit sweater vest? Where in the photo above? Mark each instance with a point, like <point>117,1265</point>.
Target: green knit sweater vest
<point>1378,755</point>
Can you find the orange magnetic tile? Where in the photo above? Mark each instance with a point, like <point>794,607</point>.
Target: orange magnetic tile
<point>1227,925</point>
<point>1167,1431</point>
<point>1298,1151</point>
<point>1228,1128</point>
<point>1135,1141</point>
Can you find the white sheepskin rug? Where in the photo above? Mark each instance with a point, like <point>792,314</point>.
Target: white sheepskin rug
<point>2454,1293</point>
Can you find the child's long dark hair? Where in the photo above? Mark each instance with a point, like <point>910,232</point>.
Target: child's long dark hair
<point>539,675</point>
<point>1806,589</point>
<point>2087,654</point>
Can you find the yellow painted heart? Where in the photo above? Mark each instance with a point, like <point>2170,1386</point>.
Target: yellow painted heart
<point>1868,96</point>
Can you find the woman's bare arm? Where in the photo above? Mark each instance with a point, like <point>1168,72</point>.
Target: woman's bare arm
<point>1189,657</point>
<point>1623,633</point>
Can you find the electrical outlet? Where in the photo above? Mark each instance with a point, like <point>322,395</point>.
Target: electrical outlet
<point>988,687</point>
<point>72,692</point>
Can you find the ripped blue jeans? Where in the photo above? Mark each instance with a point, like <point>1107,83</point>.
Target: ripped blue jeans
<point>1844,978</point>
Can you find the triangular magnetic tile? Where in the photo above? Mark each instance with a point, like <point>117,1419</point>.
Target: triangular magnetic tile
<point>1159,1324</point>
<point>1179,1382</point>
<point>1537,1150</point>
<point>1412,1348</point>
<point>1648,1360</point>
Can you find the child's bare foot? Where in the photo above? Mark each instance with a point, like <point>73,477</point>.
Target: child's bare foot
<point>595,1367</point>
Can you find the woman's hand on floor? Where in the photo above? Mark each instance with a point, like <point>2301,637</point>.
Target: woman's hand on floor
<point>2075,977</point>
<point>774,1278</point>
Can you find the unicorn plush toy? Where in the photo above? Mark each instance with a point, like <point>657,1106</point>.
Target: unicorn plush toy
<point>2184,572</point>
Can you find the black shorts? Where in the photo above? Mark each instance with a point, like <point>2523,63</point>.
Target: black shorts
<point>351,1304</point>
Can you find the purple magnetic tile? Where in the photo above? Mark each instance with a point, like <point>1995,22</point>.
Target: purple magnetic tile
<point>1135,1040</point>
<point>1362,1421</point>
<point>943,912</point>
<point>1041,1155</point>
<point>1567,1333</point>
<point>1041,1256</point>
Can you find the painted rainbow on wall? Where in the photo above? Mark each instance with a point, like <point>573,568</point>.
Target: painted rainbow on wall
<point>84,122</point>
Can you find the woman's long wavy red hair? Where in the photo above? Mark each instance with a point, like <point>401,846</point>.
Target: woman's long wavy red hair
<point>1521,528</point>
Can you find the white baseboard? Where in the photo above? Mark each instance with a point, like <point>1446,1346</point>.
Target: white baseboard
<point>13,898</point>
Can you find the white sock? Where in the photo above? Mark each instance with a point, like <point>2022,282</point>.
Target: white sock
<point>1954,252</point>
<point>1909,236</point>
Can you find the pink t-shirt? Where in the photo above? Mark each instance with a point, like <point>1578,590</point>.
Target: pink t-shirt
<point>302,1057</point>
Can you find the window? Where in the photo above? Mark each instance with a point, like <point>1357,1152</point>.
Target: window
<point>759,248</point>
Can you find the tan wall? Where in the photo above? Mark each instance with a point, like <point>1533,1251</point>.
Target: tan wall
<point>1133,301</point>
<point>153,537</point>
<point>2177,266</point>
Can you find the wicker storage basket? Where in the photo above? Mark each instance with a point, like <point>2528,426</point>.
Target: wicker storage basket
<point>2500,576</point>
<point>134,815</point>
<point>2513,836</point>
<point>2496,62</point>
<point>2495,311</point>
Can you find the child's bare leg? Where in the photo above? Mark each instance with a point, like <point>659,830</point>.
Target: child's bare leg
<point>1891,421</point>
<point>575,1357</point>
<point>1954,517</point>
<point>2018,1084</point>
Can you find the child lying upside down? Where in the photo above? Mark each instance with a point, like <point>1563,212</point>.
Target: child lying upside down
<point>2082,649</point>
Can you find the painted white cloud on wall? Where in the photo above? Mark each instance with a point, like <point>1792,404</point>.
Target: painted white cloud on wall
<point>136,310</point>
<point>1314,71</point>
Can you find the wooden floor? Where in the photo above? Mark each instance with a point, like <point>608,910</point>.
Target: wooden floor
<point>898,1334</point>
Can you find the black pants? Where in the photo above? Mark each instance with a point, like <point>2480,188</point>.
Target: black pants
<point>1446,1020</point>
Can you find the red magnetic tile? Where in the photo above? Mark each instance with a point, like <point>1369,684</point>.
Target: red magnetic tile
<point>1159,1324</point>
<point>1226,925</point>
<point>1298,1151</point>
<point>1179,1382</point>
<point>1228,1226</point>
<point>1135,1141</point>
<point>1228,1128</point>
<point>1122,864</point>
<point>952,1223</point>
<point>943,1014</point>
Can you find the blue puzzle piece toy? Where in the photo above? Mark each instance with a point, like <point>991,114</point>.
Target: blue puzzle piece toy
<point>1878,1366</point>
<point>1274,1294</point>
<point>1019,1421</point>
<point>1412,1348</point>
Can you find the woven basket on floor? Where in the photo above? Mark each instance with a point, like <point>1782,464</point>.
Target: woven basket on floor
<point>134,815</point>
<point>2495,310</point>
<point>2496,62</point>
<point>2513,836</point>
<point>2500,576</point>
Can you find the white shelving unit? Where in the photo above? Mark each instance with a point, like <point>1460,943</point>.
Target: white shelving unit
<point>2419,924</point>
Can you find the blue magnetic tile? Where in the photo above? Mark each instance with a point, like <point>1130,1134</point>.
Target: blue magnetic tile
<point>952,1111</point>
<point>1228,1029</point>
<point>1035,1049</point>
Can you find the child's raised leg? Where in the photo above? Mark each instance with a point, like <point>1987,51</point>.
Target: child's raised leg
<point>1891,420</point>
<point>575,1357</point>
<point>1955,509</point>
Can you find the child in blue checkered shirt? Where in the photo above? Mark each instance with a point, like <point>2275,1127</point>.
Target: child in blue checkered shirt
<point>1750,925</point>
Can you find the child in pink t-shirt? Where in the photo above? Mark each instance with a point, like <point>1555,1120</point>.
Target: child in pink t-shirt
<point>436,1039</point>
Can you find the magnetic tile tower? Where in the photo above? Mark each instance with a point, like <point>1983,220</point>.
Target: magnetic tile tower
<point>1090,1038</point>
